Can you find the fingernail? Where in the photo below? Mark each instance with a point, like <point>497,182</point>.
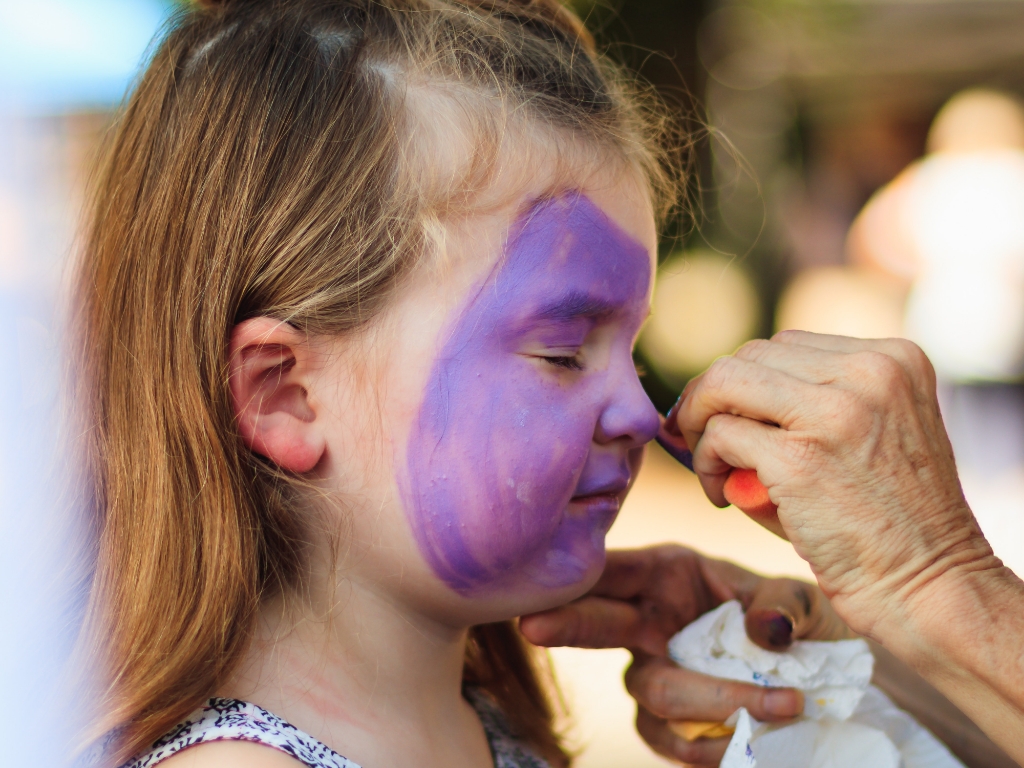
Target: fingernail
<point>783,702</point>
<point>771,629</point>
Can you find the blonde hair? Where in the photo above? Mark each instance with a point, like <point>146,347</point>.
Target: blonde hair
<point>265,165</point>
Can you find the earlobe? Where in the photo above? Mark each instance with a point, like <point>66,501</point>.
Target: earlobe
<point>271,365</point>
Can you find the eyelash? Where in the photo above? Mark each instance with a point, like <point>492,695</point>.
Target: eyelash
<point>569,363</point>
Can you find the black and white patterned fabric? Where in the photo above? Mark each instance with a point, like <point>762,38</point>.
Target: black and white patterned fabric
<point>232,720</point>
<point>507,750</point>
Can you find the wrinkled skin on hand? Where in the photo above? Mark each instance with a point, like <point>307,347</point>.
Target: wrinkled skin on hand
<point>645,596</point>
<point>846,435</point>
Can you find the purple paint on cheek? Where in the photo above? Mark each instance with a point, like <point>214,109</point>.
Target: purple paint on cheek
<point>504,440</point>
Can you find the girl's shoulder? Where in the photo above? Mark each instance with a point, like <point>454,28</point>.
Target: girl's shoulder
<point>230,720</point>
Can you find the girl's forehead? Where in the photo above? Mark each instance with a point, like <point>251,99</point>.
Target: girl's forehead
<point>568,261</point>
<point>561,258</point>
<point>468,167</point>
<point>546,238</point>
<point>569,240</point>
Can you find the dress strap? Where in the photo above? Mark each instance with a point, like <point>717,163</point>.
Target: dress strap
<point>507,749</point>
<point>233,720</point>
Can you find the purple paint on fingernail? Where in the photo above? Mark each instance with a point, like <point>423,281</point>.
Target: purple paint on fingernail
<point>514,461</point>
<point>769,628</point>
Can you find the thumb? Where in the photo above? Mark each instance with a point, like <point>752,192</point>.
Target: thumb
<point>783,610</point>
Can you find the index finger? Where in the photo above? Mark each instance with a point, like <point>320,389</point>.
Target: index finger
<point>594,622</point>
<point>643,598</point>
<point>740,387</point>
<point>676,693</point>
<point>633,573</point>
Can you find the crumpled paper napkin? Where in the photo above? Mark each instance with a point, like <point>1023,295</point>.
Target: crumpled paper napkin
<point>847,723</point>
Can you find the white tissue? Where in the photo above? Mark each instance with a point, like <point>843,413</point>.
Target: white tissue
<point>847,723</point>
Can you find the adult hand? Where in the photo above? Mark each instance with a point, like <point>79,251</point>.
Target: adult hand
<point>846,436</point>
<point>644,597</point>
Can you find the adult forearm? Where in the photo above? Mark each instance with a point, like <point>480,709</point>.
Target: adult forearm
<point>964,634</point>
<point>914,694</point>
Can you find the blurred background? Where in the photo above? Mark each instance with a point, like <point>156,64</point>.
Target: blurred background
<point>857,168</point>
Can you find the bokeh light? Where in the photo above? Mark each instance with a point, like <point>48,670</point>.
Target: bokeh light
<point>976,120</point>
<point>56,54</point>
<point>844,301</point>
<point>704,306</point>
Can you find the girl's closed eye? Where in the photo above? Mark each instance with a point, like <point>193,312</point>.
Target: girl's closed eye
<point>561,347</point>
<point>564,354</point>
<point>572,363</point>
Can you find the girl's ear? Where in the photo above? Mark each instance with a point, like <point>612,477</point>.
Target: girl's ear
<point>271,368</point>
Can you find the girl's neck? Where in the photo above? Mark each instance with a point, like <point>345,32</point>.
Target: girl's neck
<point>376,682</point>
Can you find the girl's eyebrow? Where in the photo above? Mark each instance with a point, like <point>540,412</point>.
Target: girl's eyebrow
<point>575,304</point>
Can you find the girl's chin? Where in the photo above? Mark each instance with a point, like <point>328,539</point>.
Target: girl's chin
<point>540,587</point>
<point>563,577</point>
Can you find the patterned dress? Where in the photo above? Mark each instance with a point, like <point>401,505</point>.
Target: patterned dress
<point>229,719</point>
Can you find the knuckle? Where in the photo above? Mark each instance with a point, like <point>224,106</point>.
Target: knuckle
<point>713,429</point>
<point>913,354</point>
<point>846,418</point>
<point>653,690</point>
<point>660,697</point>
<point>755,349</point>
<point>789,336</point>
<point>719,426</point>
<point>920,366</point>
<point>803,452</point>
<point>718,373</point>
<point>883,370</point>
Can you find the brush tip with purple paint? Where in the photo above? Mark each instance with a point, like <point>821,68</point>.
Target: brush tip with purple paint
<point>742,487</point>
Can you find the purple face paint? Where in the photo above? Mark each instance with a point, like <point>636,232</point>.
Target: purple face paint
<point>514,461</point>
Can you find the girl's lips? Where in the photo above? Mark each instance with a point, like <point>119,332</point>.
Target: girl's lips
<point>606,502</point>
<point>613,488</point>
<point>597,497</point>
<point>605,506</point>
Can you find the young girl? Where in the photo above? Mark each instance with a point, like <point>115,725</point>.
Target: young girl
<point>356,310</point>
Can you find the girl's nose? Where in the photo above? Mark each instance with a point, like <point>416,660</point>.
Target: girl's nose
<point>629,414</point>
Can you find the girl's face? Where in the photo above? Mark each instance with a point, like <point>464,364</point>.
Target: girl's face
<point>514,415</point>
